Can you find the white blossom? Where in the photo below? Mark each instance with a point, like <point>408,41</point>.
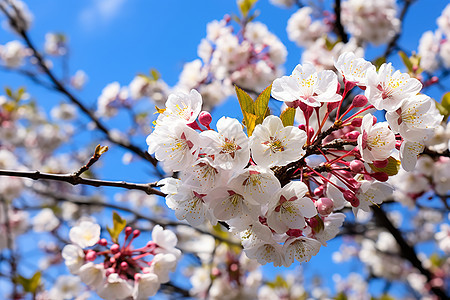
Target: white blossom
<point>375,141</point>
<point>387,90</point>
<point>308,86</point>
<point>85,234</point>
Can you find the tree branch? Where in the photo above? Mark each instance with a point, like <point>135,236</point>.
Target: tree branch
<point>338,27</point>
<point>73,179</point>
<point>393,42</point>
<point>406,250</point>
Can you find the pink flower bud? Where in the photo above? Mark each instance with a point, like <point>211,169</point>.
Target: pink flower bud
<point>313,223</point>
<point>381,163</point>
<point>91,255</point>
<point>349,196</point>
<point>310,132</point>
<point>137,276</point>
<point>398,144</point>
<point>359,101</point>
<point>124,265</point>
<point>302,127</point>
<point>205,118</point>
<point>128,230</point>
<point>374,120</point>
<point>324,206</point>
<point>102,242</point>
<point>356,166</point>
<point>136,233</point>
<point>357,122</point>
<point>434,79</point>
<point>353,135</point>
<point>112,260</point>
<point>380,176</point>
<point>115,249</point>
<point>318,191</point>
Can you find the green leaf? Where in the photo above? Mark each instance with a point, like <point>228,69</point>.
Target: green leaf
<point>287,116</point>
<point>386,297</point>
<point>30,285</point>
<point>245,101</point>
<point>245,6</point>
<point>118,225</point>
<point>261,105</point>
<point>341,296</point>
<point>391,169</point>
<point>330,44</point>
<point>155,74</point>
<point>9,92</point>
<point>249,122</point>
<point>406,60</point>
<point>99,150</point>
<point>379,61</point>
<point>279,282</point>
<point>445,102</point>
<point>436,260</point>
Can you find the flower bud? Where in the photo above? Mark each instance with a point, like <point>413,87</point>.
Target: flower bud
<point>380,176</point>
<point>136,233</point>
<point>115,249</point>
<point>359,101</point>
<point>128,230</point>
<point>374,120</point>
<point>398,144</point>
<point>356,166</point>
<point>353,135</point>
<point>310,132</point>
<point>349,196</point>
<point>205,118</point>
<point>302,127</point>
<point>356,122</point>
<point>91,255</point>
<point>324,206</point>
<point>318,191</point>
<point>124,265</point>
<point>381,163</point>
<point>102,242</point>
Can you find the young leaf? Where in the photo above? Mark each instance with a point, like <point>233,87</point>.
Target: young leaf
<point>250,122</point>
<point>245,6</point>
<point>118,225</point>
<point>391,169</point>
<point>245,101</point>
<point>445,102</point>
<point>29,285</point>
<point>406,60</point>
<point>262,104</point>
<point>287,116</point>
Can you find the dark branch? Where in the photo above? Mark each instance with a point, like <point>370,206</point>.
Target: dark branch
<point>75,180</point>
<point>406,250</point>
<point>338,27</point>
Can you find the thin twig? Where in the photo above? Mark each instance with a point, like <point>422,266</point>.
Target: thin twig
<point>75,180</point>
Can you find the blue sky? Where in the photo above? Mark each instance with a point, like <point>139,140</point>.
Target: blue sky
<point>113,40</point>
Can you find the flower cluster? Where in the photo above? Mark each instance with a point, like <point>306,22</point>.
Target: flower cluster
<point>250,58</point>
<point>434,47</point>
<point>121,271</point>
<point>371,21</point>
<point>265,184</point>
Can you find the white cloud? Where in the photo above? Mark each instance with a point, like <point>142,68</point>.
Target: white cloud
<point>103,10</point>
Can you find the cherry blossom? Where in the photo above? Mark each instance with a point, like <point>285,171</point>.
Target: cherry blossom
<point>307,86</point>
<point>387,90</point>
<point>273,144</point>
<point>376,141</point>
